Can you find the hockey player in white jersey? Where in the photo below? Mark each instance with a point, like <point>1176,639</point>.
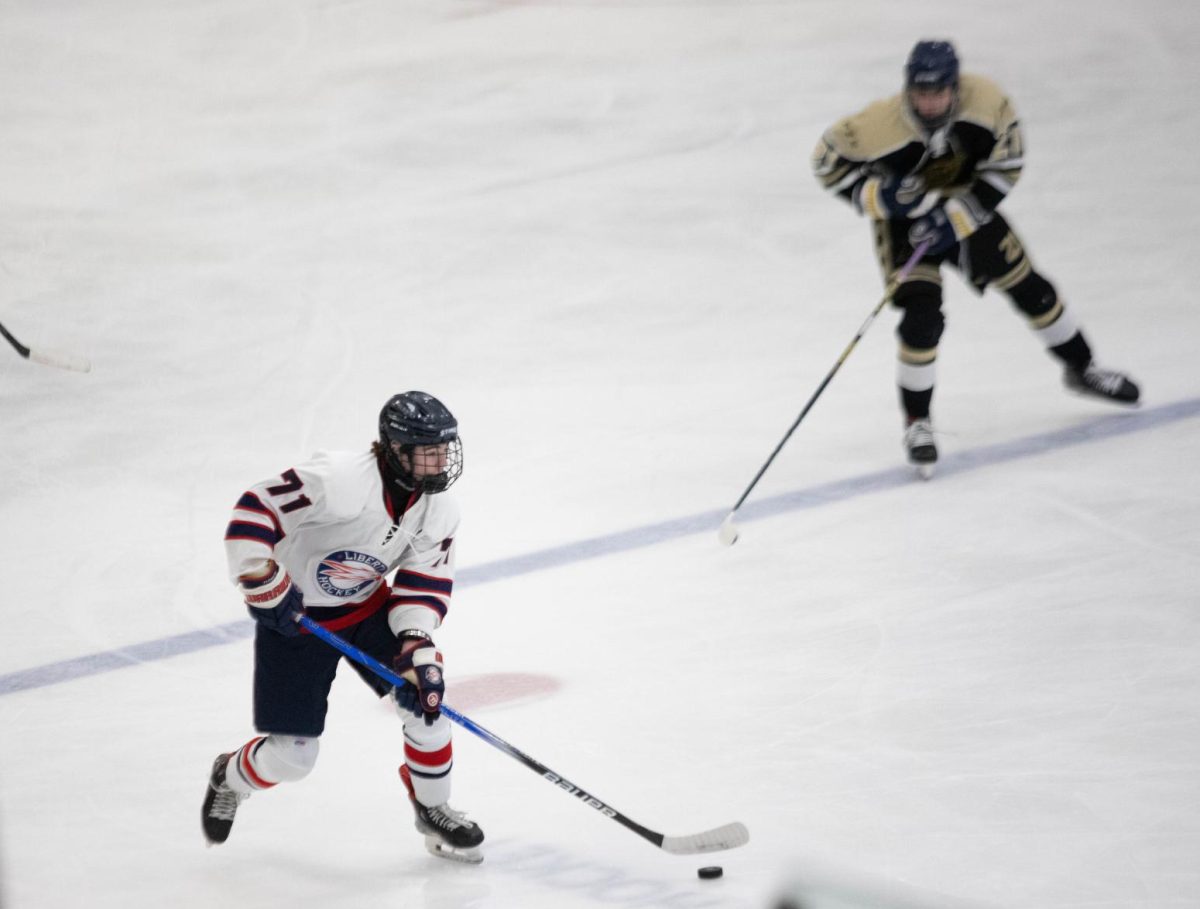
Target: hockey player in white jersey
<point>321,539</point>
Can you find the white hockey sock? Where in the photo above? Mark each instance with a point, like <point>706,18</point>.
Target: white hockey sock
<point>429,754</point>
<point>1056,326</point>
<point>916,376</point>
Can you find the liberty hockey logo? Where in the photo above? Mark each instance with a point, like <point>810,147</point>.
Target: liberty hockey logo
<point>346,573</point>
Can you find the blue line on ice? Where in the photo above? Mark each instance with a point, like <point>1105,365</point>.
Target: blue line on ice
<point>1111,426</point>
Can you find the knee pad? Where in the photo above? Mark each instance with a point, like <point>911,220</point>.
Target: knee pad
<point>287,758</point>
<point>921,326</point>
<point>1050,318</point>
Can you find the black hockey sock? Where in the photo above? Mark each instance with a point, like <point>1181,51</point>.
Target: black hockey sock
<point>916,403</point>
<point>1074,352</point>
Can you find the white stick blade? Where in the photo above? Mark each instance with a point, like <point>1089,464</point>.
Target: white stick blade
<point>61,360</point>
<point>718,839</point>
<point>728,532</point>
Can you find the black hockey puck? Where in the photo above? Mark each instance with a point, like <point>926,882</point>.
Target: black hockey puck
<point>712,872</point>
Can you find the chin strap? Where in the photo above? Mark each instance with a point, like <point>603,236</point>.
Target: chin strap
<point>390,475</point>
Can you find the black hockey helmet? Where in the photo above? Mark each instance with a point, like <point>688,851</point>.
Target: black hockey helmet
<point>416,418</point>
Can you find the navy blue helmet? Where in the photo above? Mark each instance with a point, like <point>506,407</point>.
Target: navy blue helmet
<point>931,64</point>
<point>416,418</point>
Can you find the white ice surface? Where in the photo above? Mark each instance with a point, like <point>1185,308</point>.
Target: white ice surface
<point>590,228</point>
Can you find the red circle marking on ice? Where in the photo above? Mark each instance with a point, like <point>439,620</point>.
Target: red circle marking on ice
<point>495,688</point>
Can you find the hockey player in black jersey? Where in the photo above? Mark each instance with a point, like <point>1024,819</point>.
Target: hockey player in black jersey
<point>932,163</point>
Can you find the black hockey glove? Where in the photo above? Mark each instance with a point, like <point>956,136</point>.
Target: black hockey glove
<point>421,665</point>
<point>274,602</point>
<point>935,228</point>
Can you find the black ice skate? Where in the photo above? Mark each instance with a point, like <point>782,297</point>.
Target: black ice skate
<point>1102,383</point>
<point>448,833</point>
<point>922,452</point>
<point>220,804</point>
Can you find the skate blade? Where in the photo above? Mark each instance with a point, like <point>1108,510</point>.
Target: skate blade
<point>443,850</point>
<point>924,471</point>
<point>1107,399</point>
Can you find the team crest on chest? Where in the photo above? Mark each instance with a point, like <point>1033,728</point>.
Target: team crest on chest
<point>346,573</point>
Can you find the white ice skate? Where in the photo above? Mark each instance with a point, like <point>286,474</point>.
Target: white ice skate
<point>918,443</point>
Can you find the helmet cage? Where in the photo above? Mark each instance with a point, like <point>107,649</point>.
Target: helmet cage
<point>395,455</point>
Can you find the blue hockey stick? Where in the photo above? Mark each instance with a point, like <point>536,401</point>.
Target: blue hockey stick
<point>715,840</point>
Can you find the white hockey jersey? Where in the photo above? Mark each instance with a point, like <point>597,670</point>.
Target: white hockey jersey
<point>338,532</point>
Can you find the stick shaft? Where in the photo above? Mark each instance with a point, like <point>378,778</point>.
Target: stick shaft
<point>887,295</point>
<point>20,348</point>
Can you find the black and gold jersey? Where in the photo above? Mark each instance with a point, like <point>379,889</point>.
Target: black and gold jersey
<point>971,163</point>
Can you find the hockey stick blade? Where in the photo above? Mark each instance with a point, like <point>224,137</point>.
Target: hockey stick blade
<point>46,357</point>
<point>727,533</point>
<point>729,836</point>
<point>61,360</point>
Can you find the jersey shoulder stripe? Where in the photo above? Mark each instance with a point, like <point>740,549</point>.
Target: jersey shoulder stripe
<point>243,530</point>
<point>252,520</point>
<point>250,502</point>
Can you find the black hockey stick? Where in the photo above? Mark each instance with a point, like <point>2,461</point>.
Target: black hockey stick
<point>728,532</point>
<point>727,836</point>
<point>47,357</point>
